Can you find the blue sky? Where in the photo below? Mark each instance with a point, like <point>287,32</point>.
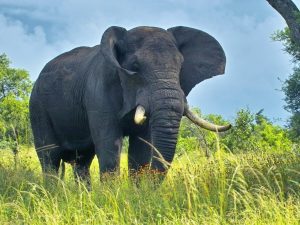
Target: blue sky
<point>32,32</point>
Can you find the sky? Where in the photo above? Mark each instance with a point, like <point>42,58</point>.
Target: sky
<point>32,32</point>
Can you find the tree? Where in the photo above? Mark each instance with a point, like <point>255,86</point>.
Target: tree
<point>291,88</point>
<point>14,82</point>
<point>289,11</point>
<point>250,132</point>
<point>15,87</point>
<point>290,37</point>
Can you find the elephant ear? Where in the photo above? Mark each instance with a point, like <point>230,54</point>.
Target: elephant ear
<point>112,49</point>
<point>112,44</point>
<point>203,56</point>
<point>109,42</point>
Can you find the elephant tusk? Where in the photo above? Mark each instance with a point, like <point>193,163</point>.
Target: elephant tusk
<point>203,123</point>
<point>139,117</point>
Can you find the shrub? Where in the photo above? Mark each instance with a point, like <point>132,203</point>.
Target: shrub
<point>250,132</point>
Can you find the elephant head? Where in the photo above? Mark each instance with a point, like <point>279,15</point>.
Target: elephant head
<point>157,69</point>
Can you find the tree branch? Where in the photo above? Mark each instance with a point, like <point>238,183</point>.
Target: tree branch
<point>289,11</point>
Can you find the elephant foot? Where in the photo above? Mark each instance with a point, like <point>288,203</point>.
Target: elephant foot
<point>148,176</point>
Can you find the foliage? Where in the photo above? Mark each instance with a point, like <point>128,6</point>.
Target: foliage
<point>13,82</point>
<point>241,137</point>
<point>295,127</point>
<point>291,88</point>
<point>290,47</point>
<point>291,85</point>
<point>249,188</point>
<point>255,132</point>
<point>15,87</point>
<point>250,132</point>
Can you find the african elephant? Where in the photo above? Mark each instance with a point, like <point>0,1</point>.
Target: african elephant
<point>133,84</point>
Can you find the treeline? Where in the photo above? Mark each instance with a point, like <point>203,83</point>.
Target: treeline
<point>15,88</point>
<point>291,86</point>
<point>250,132</point>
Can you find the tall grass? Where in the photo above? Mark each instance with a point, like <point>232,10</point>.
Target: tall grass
<point>250,188</point>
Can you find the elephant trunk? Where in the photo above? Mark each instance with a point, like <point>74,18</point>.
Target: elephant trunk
<point>164,141</point>
<point>165,120</point>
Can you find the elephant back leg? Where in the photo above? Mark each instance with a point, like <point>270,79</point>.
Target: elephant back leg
<point>81,166</point>
<point>47,146</point>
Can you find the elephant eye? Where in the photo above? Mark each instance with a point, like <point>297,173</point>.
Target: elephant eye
<point>135,66</point>
<point>131,63</point>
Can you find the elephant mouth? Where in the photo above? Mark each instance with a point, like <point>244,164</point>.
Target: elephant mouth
<point>140,118</point>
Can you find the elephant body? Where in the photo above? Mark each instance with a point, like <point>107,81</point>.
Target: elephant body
<point>86,100</point>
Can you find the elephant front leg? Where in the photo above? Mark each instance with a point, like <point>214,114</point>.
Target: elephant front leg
<point>108,150</point>
<point>108,153</point>
<point>139,153</point>
<point>107,138</point>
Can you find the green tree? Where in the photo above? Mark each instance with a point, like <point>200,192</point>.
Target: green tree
<point>241,136</point>
<point>294,125</point>
<point>254,132</point>
<point>291,86</point>
<point>14,82</point>
<point>291,14</point>
<point>15,87</point>
<point>290,37</point>
<point>249,132</point>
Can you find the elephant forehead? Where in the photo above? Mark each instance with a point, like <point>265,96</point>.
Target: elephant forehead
<point>143,30</point>
<point>139,36</point>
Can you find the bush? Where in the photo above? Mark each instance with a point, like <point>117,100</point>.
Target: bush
<point>250,132</point>
<point>15,87</point>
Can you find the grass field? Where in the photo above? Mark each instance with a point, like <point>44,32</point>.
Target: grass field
<point>250,188</point>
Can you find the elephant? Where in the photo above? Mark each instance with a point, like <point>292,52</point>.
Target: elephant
<point>135,84</point>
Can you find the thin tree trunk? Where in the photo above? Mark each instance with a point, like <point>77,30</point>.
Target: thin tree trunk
<point>289,11</point>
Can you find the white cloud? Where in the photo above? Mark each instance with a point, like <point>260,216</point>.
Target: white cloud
<point>254,62</point>
<point>26,50</point>
<point>33,32</point>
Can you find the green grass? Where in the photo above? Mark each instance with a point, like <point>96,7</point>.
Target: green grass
<point>250,188</point>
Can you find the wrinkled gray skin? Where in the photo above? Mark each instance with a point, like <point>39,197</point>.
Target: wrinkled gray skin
<point>84,100</point>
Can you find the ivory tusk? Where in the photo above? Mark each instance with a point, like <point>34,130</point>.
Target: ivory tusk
<point>203,123</point>
<point>139,117</point>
